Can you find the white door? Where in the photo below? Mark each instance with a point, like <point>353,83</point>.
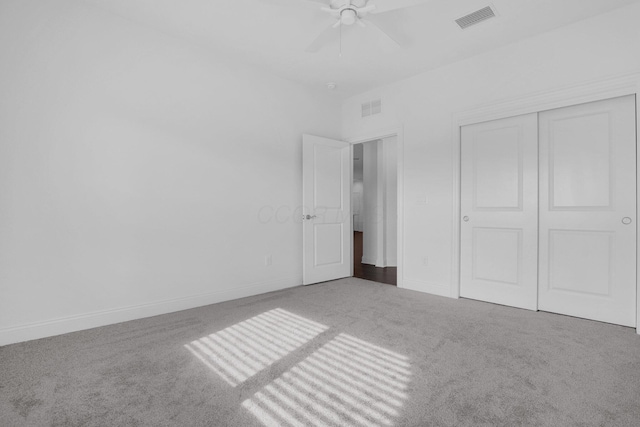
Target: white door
<point>499,188</point>
<point>588,211</point>
<point>326,197</point>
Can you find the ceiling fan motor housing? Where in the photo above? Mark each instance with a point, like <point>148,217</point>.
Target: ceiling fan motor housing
<point>337,4</point>
<point>348,11</point>
<point>348,16</point>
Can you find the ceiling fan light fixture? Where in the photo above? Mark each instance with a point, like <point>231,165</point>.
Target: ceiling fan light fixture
<point>349,12</point>
<point>348,17</point>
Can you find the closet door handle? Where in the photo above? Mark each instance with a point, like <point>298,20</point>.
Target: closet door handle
<point>626,220</point>
<point>465,218</point>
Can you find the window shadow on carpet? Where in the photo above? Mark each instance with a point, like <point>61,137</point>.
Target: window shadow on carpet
<point>346,381</point>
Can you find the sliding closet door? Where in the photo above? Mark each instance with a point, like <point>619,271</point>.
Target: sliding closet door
<point>588,211</point>
<point>499,188</point>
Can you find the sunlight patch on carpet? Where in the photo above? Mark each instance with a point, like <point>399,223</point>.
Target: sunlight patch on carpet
<point>246,348</point>
<point>346,382</point>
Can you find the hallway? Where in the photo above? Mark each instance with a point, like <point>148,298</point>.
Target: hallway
<point>386,275</point>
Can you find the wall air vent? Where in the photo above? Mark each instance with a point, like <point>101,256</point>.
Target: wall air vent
<point>376,106</point>
<point>476,17</point>
<point>371,108</point>
<point>366,109</point>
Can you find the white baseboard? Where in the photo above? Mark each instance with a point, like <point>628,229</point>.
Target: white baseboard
<point>387,263</point>
<point>427,287</point>
<point>366,260</point>
<point>64,325</point>
<point>391,262</point>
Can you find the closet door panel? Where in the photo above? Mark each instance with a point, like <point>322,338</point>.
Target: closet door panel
<point>499,211</point>
<point>588,211</point>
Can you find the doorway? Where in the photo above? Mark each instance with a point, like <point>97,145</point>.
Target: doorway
<point>374,202</point>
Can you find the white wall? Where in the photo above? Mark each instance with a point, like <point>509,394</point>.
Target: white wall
<point>139,174</point>
<point>390,164</point>
<point>357,193</point>
<point>372,211</point>
<point>379,246</point>
<point>424,107</point>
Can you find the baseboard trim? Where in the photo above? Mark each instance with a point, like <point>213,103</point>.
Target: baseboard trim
<point>64,325</point>
<point>426,287</point>
<point>366,260</point>
<point>391,262</point>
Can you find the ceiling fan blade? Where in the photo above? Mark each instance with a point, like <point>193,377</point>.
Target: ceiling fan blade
<point>334,12</point>
<point>367,9</point>
<point>385,37</point>
<point>388,5</point>
<point>304,3</point>
<point>324,38</point>
<point>324,2</point>
<point>391,25</point>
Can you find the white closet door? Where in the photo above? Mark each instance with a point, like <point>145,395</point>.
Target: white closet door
<point>588,211</point>
<point>499,234</point>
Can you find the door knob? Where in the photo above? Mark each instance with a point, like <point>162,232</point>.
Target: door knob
<point>465,218</point>
<point>626,220</point>
<point>309,216</point>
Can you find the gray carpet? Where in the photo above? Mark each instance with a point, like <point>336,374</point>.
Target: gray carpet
<point>349,352</point>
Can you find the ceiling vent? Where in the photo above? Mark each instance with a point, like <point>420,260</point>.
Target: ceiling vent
<point>476,17</point>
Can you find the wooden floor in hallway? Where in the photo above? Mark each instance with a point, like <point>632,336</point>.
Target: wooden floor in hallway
<point>386,275</point>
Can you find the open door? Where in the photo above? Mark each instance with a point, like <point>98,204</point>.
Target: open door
<point>326,197</point>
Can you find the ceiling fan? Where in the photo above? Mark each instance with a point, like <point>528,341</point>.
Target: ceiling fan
<point>361,12</point>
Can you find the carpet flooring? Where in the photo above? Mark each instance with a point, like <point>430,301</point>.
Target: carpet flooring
<point>348,352</point>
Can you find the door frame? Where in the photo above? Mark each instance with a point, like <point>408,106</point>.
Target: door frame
<point>595,90</point>
<point>363,137</point>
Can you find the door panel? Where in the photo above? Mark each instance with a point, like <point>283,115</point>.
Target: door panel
<point>326,197</point>
<point>580,261</point>
<point>499,186</point>
<point>587,187</point>
<point>497,254</point>
<point>497,169</point>
<point>328,244</point>
<point>580,156</point>
<point>327,192</point>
